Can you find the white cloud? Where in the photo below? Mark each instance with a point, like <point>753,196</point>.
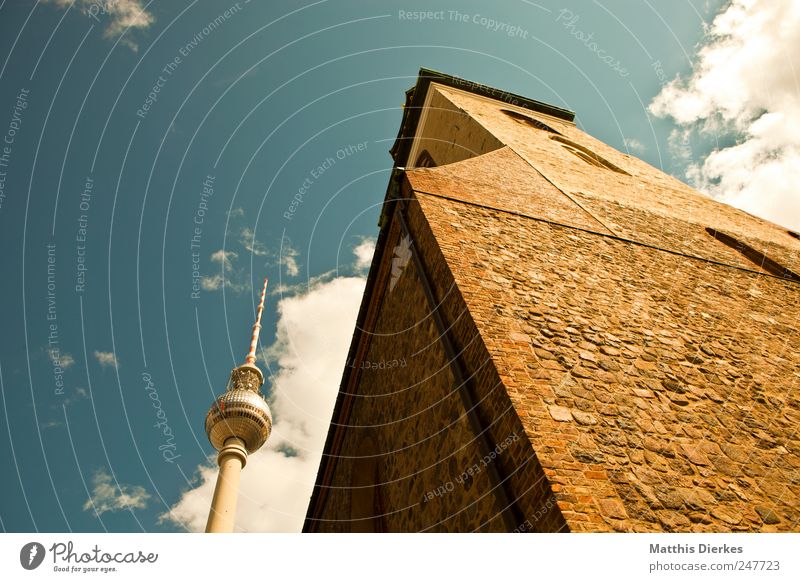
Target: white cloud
<point>106,359</point>
<point>122,15</point>
<point>235,278</point>
<point>224,258</point>
<point>107,496</point>
<point>228,277</point>
<point>247,238</point>
<point>363,252</point>
<point>746,87</point>
<point>286,289</point>
<point>216,282</point>
<point>212,282</point>
<point>290,262</point>
<point>286,255</point>
<point>313,337</point>
<point>59,358</point>
<point>288,258</point>
<point>77,395</point>
<point>634,145</point>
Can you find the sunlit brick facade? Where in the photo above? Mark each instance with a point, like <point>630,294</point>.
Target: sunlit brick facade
<point>556,336</point>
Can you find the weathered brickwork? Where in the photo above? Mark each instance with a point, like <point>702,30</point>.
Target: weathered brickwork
<point>641,374</point>
<point>654,407</point>
<point>502,179</point>
<point>646,205</point>
<point>519,466</point>
<point>430,474</point>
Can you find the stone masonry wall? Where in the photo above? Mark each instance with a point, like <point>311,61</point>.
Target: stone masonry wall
<point>430,474</point>
<point>643,374</point>
<point>658,392</point>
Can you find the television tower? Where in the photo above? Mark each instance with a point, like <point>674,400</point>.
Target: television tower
<point>237,424</point>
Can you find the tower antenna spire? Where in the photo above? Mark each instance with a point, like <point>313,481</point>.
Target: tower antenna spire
<point>251,355</point>
<point>237,424</point>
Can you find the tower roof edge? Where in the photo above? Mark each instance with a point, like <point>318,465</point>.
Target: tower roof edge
<point>415,98</point>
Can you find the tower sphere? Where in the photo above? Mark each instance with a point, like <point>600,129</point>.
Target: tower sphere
<point>239,413</point>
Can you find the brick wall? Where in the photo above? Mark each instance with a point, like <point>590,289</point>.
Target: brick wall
<point>630,371</point>
<point>658,391</point>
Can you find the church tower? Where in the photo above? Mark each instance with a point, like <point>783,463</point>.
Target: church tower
<point>557,336</point>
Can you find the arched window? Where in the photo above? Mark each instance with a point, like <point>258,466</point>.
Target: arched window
<point>587,155</point>
<point>527,120</point>
<point>755,256</point>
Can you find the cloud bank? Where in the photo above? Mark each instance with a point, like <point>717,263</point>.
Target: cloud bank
<point>745,88</point>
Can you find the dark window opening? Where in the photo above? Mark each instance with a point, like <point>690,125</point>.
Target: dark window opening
<point>425,160</point>
<point>535,123</point>
<point>587,155</point>
<point>755,256</point>
<point>367,507</point>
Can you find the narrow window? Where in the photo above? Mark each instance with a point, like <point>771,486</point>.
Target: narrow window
<point>366,498</point>
<point>755,256</point>
<point>587,155</point>
<point>524,119</point>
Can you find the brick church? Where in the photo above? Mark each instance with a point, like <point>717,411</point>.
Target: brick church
<point>557,336</point>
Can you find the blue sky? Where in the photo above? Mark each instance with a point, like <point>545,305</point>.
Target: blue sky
<point>157,149</point>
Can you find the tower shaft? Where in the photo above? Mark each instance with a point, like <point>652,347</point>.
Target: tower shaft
<point>231,459</point>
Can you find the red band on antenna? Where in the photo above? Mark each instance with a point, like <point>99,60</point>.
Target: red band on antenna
<point>251,355</point>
